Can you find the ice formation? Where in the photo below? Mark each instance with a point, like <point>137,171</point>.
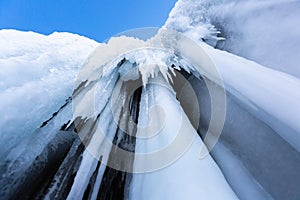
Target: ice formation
<point>91,144</point>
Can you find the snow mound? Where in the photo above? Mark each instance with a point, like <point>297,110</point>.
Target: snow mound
<point>36,77</point>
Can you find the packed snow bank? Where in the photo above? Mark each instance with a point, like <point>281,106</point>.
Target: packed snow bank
<point>36,77</point>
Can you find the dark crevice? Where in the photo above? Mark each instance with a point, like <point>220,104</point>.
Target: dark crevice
<point>64,127</point>
<point>115,183</point>
<point>54,114</point>
<point>64,178</point>
<point>80,87</point>
<point>88,192</point>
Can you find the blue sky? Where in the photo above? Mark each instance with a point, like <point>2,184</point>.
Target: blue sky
<point>96,19</point>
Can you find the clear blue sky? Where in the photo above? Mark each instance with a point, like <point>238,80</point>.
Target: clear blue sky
<point>96,19</point>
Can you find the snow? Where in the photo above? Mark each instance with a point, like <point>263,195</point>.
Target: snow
<point>36,77</point>
<point>38,73</point>
<point>20,158</point>
<point>264,31</point>
<point>103,60</point>
<point>150,62</point>
<point>151,59</point>
<point>190,17</point>
<point>253,32</point>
